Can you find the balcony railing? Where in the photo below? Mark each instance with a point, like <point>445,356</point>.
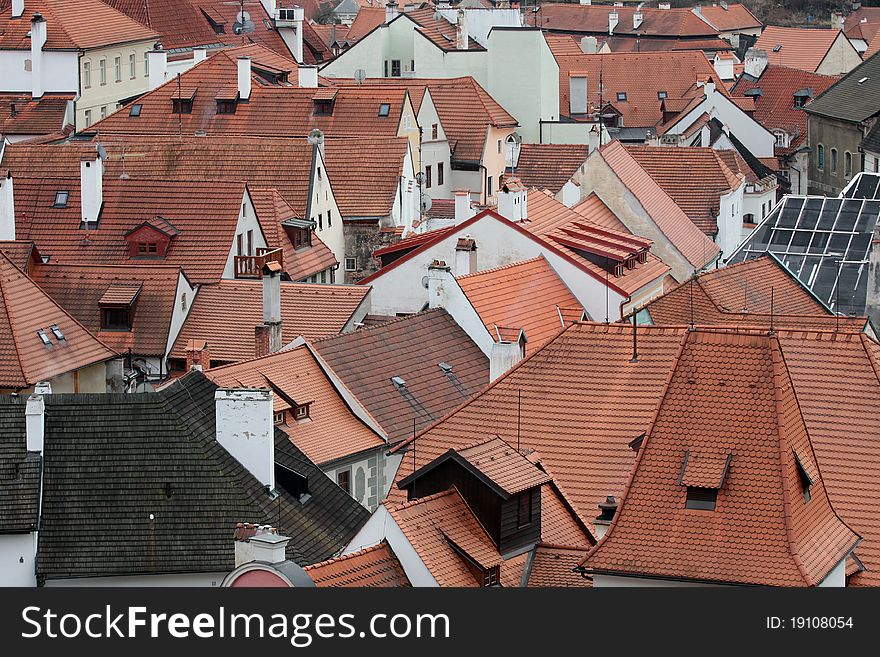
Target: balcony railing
<point>252,266</point>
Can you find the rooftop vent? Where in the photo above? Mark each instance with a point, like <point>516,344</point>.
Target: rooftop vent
<point>398,382</point>
<point>863,80</point>
<point>446,367</point>
<point>777,47</point>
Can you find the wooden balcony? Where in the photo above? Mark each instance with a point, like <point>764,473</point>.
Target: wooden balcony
<point>252,266</point>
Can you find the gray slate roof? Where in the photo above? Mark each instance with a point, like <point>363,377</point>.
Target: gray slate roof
<point>847,99</point>
<point>112,460</point>
<point>871,142</point>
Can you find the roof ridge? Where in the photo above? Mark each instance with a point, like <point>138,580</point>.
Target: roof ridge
<point>394,507</point>
<point>344,557</point>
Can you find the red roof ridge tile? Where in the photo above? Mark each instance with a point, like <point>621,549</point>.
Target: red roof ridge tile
<point>343,557</point>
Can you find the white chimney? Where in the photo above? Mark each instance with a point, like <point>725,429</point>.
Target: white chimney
<point>439,275</point>
<point>199,55</point>
<point>577,93</point>
<point>463,209</point>
<point>390,11</point>
<point>245,428</point>
<point>589,45</point>
<point>34,413</point>
<point>755,62</point>
<point>298,18</point>
<point>512,201</point>
<point>244,78</point>
<point>465,256</point>
<point>17,8</point>
<point>308,77</point>
<point>157,62</point>
<point>259,543</point>
<point>613,20</point>
<point>638,19</point>
<point>91,174</point>
<point>272,305</point>
<point>837,20</point>
<point>586,2</point>
<point>462,38</point>
<point>38,40</point>
<point>664,5</point>
<point>7,208</point>
<point>723,66</point>
<point>508,349</point>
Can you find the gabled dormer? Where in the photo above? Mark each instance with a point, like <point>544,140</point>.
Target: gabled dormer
<point>150,239</point>
<point>323,101</point>
<point>500,485</point>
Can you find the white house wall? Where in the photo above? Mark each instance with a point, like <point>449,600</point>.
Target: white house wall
<point>60,71</point>
<point>480,21</point>
<point>730,221</point>
<point>323,202</point>
<point>17,562</point>
<point>841,58</point>
<point>247,220</point>
<point>183,300</point>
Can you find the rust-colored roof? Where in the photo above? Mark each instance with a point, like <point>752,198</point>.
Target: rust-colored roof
<point>438,30</point>
<point>598,213</point>
<point>225,314</point>
<point>22,253</point>
<point>751,293</point>
<point>22,115</point>
<point>671,220</point>
<point>729,17</point>
<point>674,170</point>
<point>524,295</point>
<point>205,214</point>
<point>641,76</point>
<point>367,20</point>
<point>774,108</point>
<point>505,467</point>
<point>549,166</point>
<point>588,19</point>
<point>631,43</point>
<point>411,348</point>
<point>332,431</point>
<point>24,310</point>
<point>80,289</point>
<point>553,566</point>
<point>365,173</point>
<point>372,567</point>
<point>802,48</point>
<point>79,25</point>
<point>762,530</point>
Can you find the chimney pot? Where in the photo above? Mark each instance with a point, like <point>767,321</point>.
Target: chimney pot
<point>272,306</point>
<point>34,423</point>
<point>91,171</point>
<point>157,62</point>
<point>244,78</point>
<point>607,510</point>
<point>7,208</point>
<point>38,40</point>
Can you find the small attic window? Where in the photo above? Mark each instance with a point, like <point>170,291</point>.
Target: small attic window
<point>279,417</point>
<point>135,110</point>
<point>805,479</point>
<point>384,109</point>
<point>777,47</point>
<point>226,106</point>
<point>44,338</point>
<point>863,80</point>
<point>181,105</point>
<point>301,412</point>
<point>701,499</point>
<point>491,576</point>
<point>662,95</point>
<point>56,331</point>
<point>621,95</point>
<point>61,197</point>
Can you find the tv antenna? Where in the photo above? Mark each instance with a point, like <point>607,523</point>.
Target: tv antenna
<point>425,204</point>
<point>360,75</point>
<point>243,24</point>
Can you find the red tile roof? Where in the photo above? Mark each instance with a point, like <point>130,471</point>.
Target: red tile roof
<point>367,20</point>
<point>22,253</point>
<point>373,567</point>
<point>365,173</point>
<point>22,115</point>
<point>505,467</point>
<point>553,566</point>
<point>24,310</point>
<point>597,212</point>
<point>802,48</point>
<point>549,166</point>
<point>594,18</point>
<point>411,348</point>
<point>674,169</point>
<point>774,108</point>
<point>81,25</point>
<point>762,530</point>
<point>439,31</point>
<point>332,431</point>
<point>729,17</point>
<point>751,293</point>
<point>205,214</point>
<point>629,43</point>
<point>671,220</point>
<point>80,288</point>
<point>525,295</point>
<point>225,314</point>
<point>642,76</point>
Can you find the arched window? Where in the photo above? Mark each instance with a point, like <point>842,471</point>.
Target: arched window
<point>847,164</point>
<point>820,157</point>
<point>833,160</point>
<point>748,218</point>
<point>183,301</point>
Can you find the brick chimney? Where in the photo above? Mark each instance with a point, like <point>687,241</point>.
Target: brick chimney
<point>34,413</point>
<point>157,63</point>
<point>259,543</point>
<point>38,40</point>
<point>508,349</point>
<point>462,38</point>
<point>244,78</point>
<point>91,170</point>
<point>7,207</point>
<point>268,335</point>
<point>198,357</point>
<point>245,428</point>
<point>17,8</point>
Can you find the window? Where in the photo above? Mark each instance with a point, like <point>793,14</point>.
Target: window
<point>44,338</point>
<point>115,319</point>
<point>351,264</point>
<point>117,65</point>
<point>329,220</point>
<point>320,221</point>
<point>323,107</point>
<point>239,244</point>
<point>621,95</point>
<point>662,95</point>
<point>226,106</point>
<point>748,219</point>
<point>146,65</point>
<point>439,173</point>
<point>343,479</point>
<point>135,110</point>
<point>181,106</point>
<point>412,65</point>
<point>56,331</point>
<point>820,157</point>
<point>384,109</point>
<point>28,65</point>
<point>132,66</point>
<point>323,276</point>
<point>302,237</point>
<point>834,161</point>
<point>499,147</point>
<point>103,111</point>
<point>847,164</point>
<point>183,300</point>
<point>433,131</point>
<point>524,509</point>
<point>279,417</point>
<point>147,249</point>
<point>87,75</point>
<point>395,68</point>
<point>780,137</point>
<point>250,242</point>
<point>488,185</point>
<point>428,177</point>
<point>88,116</point>
<point>491,576</point>
<point>702,499</point>
<point>61,197</point>
<point>102,71</point>
<point>385,69</point>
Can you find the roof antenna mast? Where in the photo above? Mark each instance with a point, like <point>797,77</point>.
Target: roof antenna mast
<point>772,308</point>
<point>635,356</point>
<point>691,293</point>
<point>518,415</point>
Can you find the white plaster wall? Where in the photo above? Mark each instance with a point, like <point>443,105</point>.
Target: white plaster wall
<point>188,580</point>
<point>321,202</point>
<point>435,151</point>
<point>368,54</point>
<point>17,563</point>
<point>569,195</point>
<point>480,21</point>
<point>837,576</point>
<point>186,292</point>
<point>730,221</point>
<point>842,57</point>
<point>92,378</point>
<point>247,220</point>
<point>60,71</point>
<point>449,295</point>
<point>566,133</point>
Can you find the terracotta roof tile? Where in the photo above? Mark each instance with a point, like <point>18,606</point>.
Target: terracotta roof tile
<point>525,294</point>
<point>802,48</point>
<point>79,289</point>
<point>309,310</point>
<point>81,25</point>
<point>587,19</point>
<point>365,173</point>
<point>22,253</point>
<point>553,566</point>
<point>22,115</point>
<point>729,17</point>
<point>504,466</point>
<point>371,567</point>
<point>24,357</point>
<point>438,30</point>
<point>367,20</point>
<point>332,431</point>
<point>549,166</point>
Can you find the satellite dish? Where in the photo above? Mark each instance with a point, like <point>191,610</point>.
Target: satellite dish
<point>425,282</point>
<point>425,203</point>
<point>316,137</point>
<point>102,152</point>
<point>243,23</point>
<point>420,178</point>
<point>360,75</point>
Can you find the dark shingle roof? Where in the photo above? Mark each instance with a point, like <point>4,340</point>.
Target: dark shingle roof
<point>850,100</point>
<point>19,471</point>
<point>113,460</point>
<point>872,140</point>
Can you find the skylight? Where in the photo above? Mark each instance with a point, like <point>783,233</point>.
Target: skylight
<point>61,197</point>
<point>44,338</point>
<point>135,110</point>
<point>661,95</point>
<point>863,80</point>
<point>398,381</point>
<point>777,47</point>
<point>701,499</point>
<point>384,109</point>
<point>621,95</point>
<point>56,331</point>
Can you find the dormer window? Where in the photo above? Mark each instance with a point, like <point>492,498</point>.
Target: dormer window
<point>491,576</point>
<point>226,106</point>
<point>279,417</point>
<point>323,107</point>
<point>61,197</point>
<point>181,106</point>
<point>147,249</point>
<point>703,473</point>
<point>117,306</point>
<point>701,499</point>
<point>115,319</point>
<point>301,412</point>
